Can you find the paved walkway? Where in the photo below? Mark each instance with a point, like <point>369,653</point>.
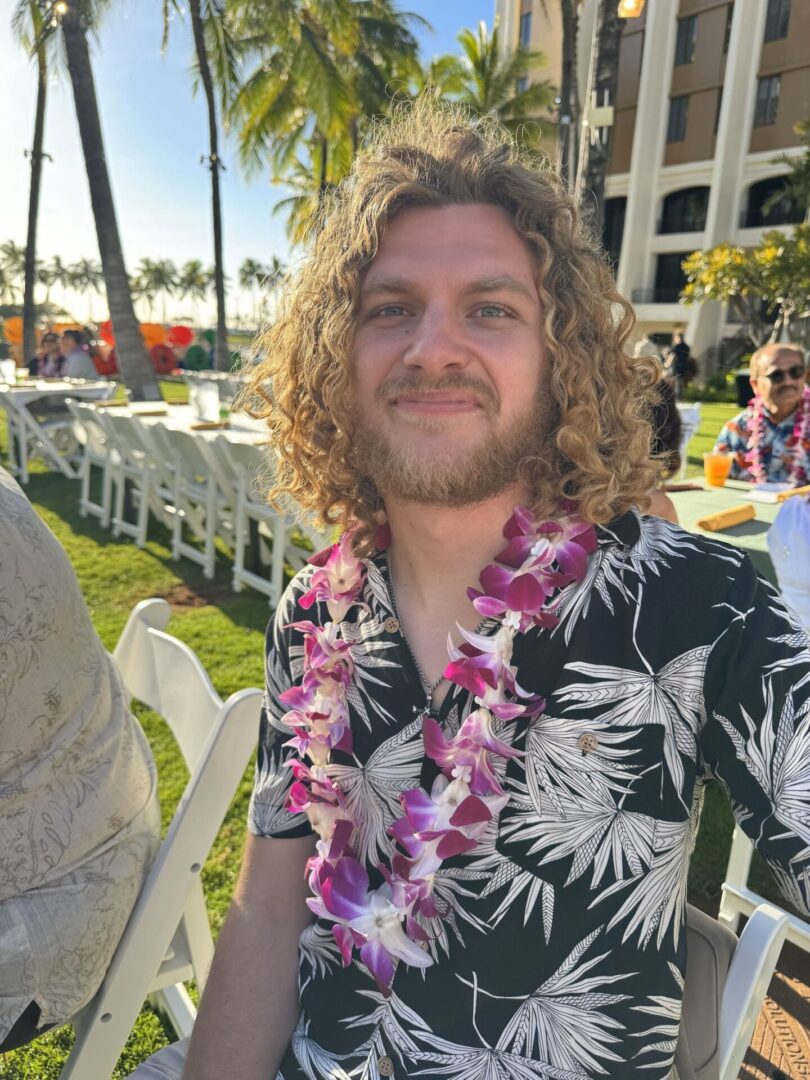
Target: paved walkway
<point>780,1049</point>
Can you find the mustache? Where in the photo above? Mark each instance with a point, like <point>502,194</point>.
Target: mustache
<point>391,389</point>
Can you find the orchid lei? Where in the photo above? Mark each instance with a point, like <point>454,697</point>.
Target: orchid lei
<point>799,443</point>
<point>517,590</point>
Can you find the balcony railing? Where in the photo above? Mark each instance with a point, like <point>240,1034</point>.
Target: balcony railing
<point>658,295</point>
<point>668,225</point>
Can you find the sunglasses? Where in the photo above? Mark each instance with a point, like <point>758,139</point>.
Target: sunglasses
<point>778,375</point>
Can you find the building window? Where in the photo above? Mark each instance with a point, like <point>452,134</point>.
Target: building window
<point>525,29</point>
<point>767,100</point>
<point>777,19</point>
<point>684,211</point>
<point>729,20</point>
<point>685,45</point>
<point>770,204</point>
<point>676,128</point>
<point>522,85</point>
<point>717,109</point>
<point>614,229</point>
<point>669,278</point>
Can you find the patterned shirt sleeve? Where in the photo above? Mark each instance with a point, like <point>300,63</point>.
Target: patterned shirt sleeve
<point>756,734</point>
<point>267,815</point>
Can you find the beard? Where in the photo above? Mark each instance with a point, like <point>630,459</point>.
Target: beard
<point>491,467</point>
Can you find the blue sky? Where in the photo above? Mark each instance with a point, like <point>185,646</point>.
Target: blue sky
<point>155,132</point>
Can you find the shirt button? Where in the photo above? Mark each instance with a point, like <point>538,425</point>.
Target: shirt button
<point>385,1066</point>
<point>587,743</point>
<point>390,626</point>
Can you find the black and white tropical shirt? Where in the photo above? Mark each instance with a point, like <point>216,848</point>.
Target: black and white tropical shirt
<point>562,951</point>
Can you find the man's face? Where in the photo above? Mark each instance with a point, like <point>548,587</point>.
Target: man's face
<point>449,366</point>
<point>50,343</point>
<point>780,392</point>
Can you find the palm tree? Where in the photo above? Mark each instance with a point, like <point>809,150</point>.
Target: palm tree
<point>12,260</point>
<point>59,274</point>
<point>164,279</point>
<point>317,71</point>
<point>77,18</point>
<point>31,28</point>
<point>251,274</point>
<point>86,277</point>
<point>498,85</point>
<point>194,281</point>
<point>605,83</point>
<point>146,285</point>
<point>211,30</point>
<point>569,108</point>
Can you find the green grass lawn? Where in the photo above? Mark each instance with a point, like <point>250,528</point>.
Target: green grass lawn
<point>226,630</point>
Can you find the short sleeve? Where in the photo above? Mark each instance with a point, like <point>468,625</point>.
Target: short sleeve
<point>756,736</point>
<point>267,815</point>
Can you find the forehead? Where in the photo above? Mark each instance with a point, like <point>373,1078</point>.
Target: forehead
<point>461,241</point>
<point>779,358</point>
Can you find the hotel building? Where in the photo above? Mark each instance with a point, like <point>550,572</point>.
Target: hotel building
<point>707,97</point>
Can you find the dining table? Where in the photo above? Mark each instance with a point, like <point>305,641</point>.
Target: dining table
<point>751,536</point>
<point>30,427</point>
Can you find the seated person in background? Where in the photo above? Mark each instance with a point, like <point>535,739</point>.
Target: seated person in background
<point>789,545</point>
<point>80,821</point>
<point>647,347</point>
<point>78,362</point>
<point>49,362</point>
<point>666,426</point>
<point>770,439</point>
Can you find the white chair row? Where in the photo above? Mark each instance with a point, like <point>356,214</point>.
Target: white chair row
<point>208,487</point>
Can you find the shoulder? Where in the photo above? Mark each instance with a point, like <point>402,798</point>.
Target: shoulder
<point>741,422</point>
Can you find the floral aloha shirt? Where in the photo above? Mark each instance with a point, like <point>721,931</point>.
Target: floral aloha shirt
<point>562,951</point>
<point>777,449</point>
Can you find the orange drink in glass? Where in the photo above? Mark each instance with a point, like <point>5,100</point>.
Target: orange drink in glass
<point>716,467</point>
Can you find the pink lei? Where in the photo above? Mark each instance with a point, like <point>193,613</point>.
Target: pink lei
<point>798,443</point>
<point>517,590</point>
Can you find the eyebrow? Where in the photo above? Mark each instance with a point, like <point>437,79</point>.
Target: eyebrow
<point>496,283</point>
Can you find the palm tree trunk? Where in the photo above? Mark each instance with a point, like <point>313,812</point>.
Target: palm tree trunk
<point>221,346</point>
<point>29,280</point>
<point>136,368</point>
<point>323,182</point>
<point>607,77</point>
<point>569,93</point>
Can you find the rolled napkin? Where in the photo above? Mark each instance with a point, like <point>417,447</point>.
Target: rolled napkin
<point>726,519</point>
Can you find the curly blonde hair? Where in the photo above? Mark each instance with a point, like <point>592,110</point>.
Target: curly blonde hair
<point>433,155</point>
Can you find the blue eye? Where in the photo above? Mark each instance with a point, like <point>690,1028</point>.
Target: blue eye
<point>389,311</point>
<point>493,309</point>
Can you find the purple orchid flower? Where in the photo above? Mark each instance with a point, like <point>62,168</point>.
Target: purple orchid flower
<point>337,581</point>
<point>566,542</point>
<point>466,756</point>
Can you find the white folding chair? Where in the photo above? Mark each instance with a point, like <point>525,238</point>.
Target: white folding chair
<point>738,899</point>
<point>197,499</point>
<point>96,451</point>
<point>752,967</point>
<point>168,939</point>
<point>132,465</point>
<point>246,462</point>
<point>690,422</point>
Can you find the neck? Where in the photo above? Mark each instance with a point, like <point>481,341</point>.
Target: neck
<point>438,551</point>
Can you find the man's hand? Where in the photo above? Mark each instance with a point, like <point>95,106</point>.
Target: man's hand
<point>250,1004</point>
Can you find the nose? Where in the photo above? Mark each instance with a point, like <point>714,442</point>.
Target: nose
<point>437,345</point>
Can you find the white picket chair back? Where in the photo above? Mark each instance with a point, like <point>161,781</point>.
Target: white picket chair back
<point>96,451</point>
<point>168,939</point>
<point>738,899</point>
<point>196,497</point>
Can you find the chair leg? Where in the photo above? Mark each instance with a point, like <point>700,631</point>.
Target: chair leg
<point>118,510</point>
<point>106,493</point>
<point>210,528</point>
<point>84,497</point>
<point>143,510</point>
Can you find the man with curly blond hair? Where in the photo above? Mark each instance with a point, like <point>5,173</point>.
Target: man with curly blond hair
<point>495,849</point>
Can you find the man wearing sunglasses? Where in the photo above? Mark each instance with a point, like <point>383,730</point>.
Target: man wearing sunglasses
<point>770,439</point>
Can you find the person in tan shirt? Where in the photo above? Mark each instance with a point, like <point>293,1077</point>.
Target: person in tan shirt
<point>79,815</point>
